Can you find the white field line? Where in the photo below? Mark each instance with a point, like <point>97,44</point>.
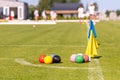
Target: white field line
<point>2,45</point>
<point>97,73</point>
<point>74,20</point>
<point>29,22</point>
<point>23,62</point>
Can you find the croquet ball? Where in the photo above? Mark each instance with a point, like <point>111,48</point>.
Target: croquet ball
<point>86,58</point>
<point>52,55</point>
<point>56,59</point>
<point>72,58</point>
<point>79,59</point>
<point>41,58</point>
<point>80,54</point>
<point>48,60</point>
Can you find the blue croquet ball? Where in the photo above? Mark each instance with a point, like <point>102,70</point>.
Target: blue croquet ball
<point>52,55</point>
<point>79,59</point>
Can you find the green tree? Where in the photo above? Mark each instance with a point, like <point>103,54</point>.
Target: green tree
<point>31,11</point>
<point>74,1</point>
<point>47,4</point>
<point>43,5</point>
<point>65,1</point>
<point>96,6</point>
<point>107,13</point>
<point>118,12</point>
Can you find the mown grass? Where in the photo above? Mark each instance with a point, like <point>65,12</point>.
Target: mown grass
<point>64,39</point>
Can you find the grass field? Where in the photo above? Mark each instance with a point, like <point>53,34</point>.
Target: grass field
<point>64,39</point>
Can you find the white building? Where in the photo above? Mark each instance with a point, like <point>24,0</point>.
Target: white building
<point>20,9</point>
<point>113,16</point>
<point>102,16</point>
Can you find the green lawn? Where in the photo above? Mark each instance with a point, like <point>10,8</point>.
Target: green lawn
<point>64,39</point>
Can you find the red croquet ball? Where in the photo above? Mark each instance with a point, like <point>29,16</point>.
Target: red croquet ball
<point>86,58</point>
<point>41,58</point>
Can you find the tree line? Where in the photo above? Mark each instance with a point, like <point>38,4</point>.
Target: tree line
<point>108,12</point>
<point>47,4</point>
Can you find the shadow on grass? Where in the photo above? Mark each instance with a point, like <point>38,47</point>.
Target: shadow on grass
<point>97,57</point>
<point>58,63</point>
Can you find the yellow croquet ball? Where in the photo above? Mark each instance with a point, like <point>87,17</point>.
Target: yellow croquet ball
<point>48,60</point>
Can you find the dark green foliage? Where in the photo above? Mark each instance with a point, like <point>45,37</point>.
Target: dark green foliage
<point>107,13</point>
<point>96,6</point>
<point>47,4</point>
<point>118,12</point>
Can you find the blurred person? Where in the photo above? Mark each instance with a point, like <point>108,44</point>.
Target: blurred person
<point>81,14</point>
<point>87,15</point>
<point>12,14</point>
<point>44,15</point>
<point>91,10</point>
<point>53,15</point>
<point>36,14</point>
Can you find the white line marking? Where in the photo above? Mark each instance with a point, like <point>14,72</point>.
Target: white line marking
<point>27,22</point>
<point>23,62</point>
<point>97,73</point>
<point>20,45</point>
<point>74,20</point>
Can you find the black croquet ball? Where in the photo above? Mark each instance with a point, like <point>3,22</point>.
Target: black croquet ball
<point>56,59</point>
